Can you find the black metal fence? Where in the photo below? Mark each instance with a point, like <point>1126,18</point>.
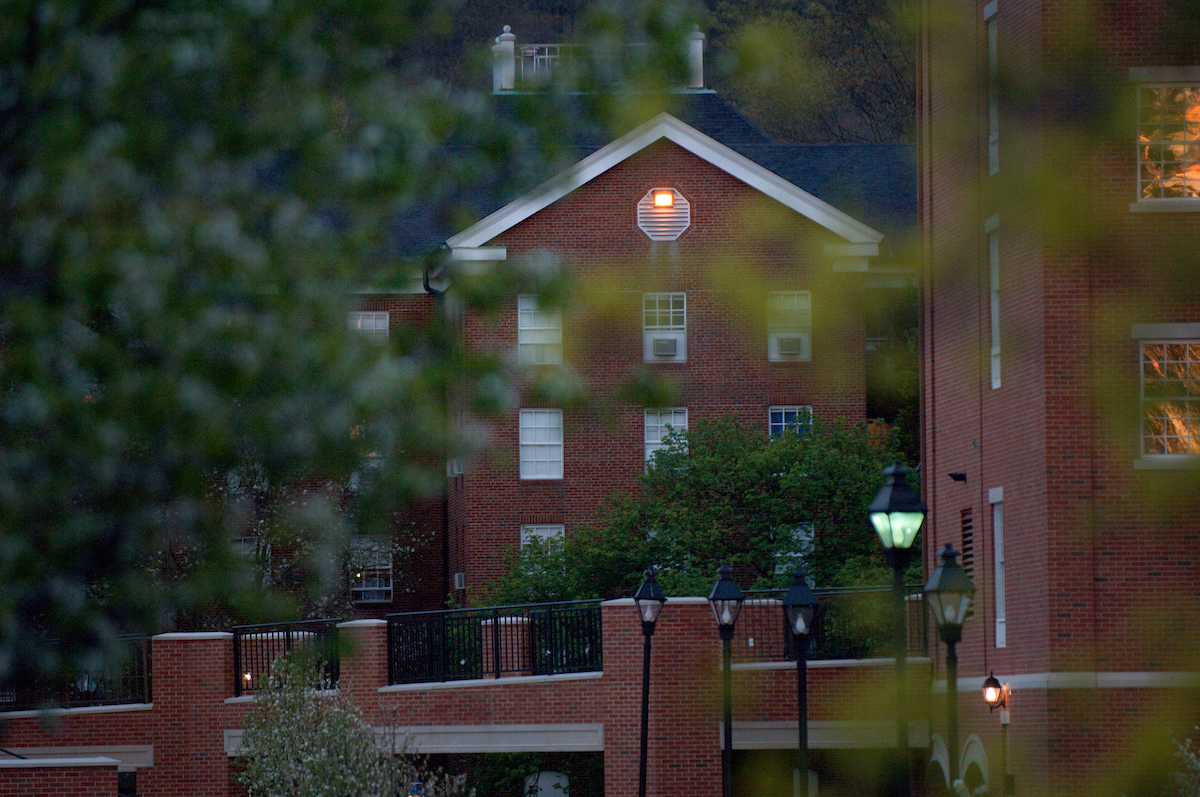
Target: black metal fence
<point>458,644</point>
<point>256,647</point>
<point>127,681</point>
<point>851,623</point>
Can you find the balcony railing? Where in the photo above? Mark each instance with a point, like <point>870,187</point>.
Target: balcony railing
<point>256,647</point>
<point>851,623</point>
<point>127,682</point>
<point>459,644</point>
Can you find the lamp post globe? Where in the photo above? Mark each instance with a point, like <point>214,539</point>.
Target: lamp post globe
<point>648,600</point>
<point>726,600</point>
<point>949,592</point>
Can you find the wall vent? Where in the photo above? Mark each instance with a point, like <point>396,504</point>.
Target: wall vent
<point>664,223</point>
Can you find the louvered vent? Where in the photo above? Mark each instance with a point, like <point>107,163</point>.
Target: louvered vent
<point>664,222</point>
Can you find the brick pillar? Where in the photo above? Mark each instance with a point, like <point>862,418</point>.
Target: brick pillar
<point>193,677</point>
<point>684,752</point>
<point>364,660</point>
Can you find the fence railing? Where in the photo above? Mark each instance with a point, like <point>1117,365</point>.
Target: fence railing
<point>126,682</point>
<point>459,644</point>
<point>256,647</point>
<point>851,623</point>
<point>537,63</point>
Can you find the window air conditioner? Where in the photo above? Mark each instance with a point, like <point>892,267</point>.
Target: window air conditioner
<point>460,580</point>
<point>790,346</point>
<point>664,347</point>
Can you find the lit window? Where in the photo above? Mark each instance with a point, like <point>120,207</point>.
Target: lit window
<point>373,326</point>
<point>370,564</point>
<point>539,333</point>
<point>664,327</point>
<point>1171,398</point>
<point>782,419</point>
<point>789,326</point>
<point>541,438</point>
<point>1168,141</point>
<point>544,532</point>
<point>660,423</point>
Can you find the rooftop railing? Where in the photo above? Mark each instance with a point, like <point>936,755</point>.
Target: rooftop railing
<point>126,682</point>
<point>256,647</point>
<point>460,644</point>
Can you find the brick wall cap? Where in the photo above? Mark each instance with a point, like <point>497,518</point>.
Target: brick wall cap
<point>58,712</point>
<point>367,623</point>
<point>671,601</point>
<point>37,763</point>
<point>509,681</point>
<point>192,636</point>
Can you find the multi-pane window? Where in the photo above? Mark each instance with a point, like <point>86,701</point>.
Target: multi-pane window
<point>789,325</point>
<point>374,326</point>
<point>782,419</point>
<point>544,532</point>
<point>370,565</point>
<point>539,333</point>
<point>664,327</point>
<point>1171,398</point>
<point>1168,141</point>
<point>660,423</point>
<point>541,440</point>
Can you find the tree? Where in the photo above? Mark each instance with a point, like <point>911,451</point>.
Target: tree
<point>722,492</point>
<point>305,738</point>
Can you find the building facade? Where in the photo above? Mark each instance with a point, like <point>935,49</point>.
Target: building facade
<point>1059,220</point>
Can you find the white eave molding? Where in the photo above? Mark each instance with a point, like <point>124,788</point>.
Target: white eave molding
<point>863,240</point>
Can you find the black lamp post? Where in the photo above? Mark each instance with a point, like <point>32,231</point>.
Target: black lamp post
<point>897,514</point>
<point>800,606</point>
<point>949,593</point>
<point>726,601</point>
<point>649,600</point>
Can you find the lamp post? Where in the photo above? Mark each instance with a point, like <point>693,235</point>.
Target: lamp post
<point>995,695</point>
<point>897,514</point>
<point>649,600</point>
<point>949,593</point>
<point>800,607</point>
<point>726,601</point>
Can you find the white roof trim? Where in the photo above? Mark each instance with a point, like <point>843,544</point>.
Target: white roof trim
<point>664,126</point>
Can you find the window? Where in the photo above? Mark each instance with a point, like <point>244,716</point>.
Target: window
<point>659,424</point>
<point>993,72</point>
<point>781,419</point>
<point>1170,397</point>
<point>373,326</point>
<point>539,333</point>
<point>541,444</point>
<point>996,499</point>
<point>1168,141</point>
<point>993,244</point>
<point>789,326</point>
<point>664,327</point>
<point>370,566</point>
<point>545,532</point>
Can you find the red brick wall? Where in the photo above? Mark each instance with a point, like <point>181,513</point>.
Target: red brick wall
<point>28,779</point>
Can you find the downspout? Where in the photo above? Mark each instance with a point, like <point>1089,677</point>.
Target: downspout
<point>439,297</point>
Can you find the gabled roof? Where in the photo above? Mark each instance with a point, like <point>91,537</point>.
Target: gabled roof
<point>665,126</point>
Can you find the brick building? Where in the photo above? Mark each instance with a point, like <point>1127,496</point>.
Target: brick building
<point>1059,219</point>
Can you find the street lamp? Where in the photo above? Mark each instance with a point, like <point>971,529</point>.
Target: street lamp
<point>800,607</point>
<point>649,600</point>
<point>897,514</point>
<point>949,593</point>
<point>995,694</point>
<point>726,600</point>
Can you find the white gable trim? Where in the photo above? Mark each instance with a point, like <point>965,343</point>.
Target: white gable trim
<point>665,126</point>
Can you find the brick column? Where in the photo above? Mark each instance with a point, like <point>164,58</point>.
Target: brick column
<point>364,661</point>
<point>193,676</point>
<point>684,753</point>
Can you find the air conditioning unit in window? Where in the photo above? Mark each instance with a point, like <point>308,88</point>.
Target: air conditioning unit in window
<point>460,580</point>
<point>789,345</point>
<point>665,347</point>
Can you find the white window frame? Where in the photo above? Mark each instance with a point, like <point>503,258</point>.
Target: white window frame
<point>801,419</point>
<point>664,318</point>
<point>1186,337</point>
<point>546,532</point>
<point>996,499</point>
<point>541,444</point>
<point>1166,78</point>
<point>789,314</point>
<point>993,73</point>
<point>658,424</point>
<point>539,333</point>
<point>371,570</point>
<point>373,325</point>
<point>992,228</point>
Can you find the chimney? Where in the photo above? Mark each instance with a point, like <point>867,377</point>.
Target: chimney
<point>695,53</point>
<point>504,66</point>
